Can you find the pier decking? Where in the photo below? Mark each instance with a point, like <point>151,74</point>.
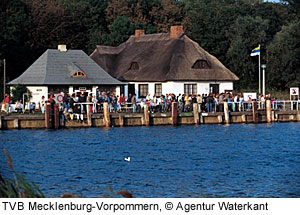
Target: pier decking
<point>151,119</point>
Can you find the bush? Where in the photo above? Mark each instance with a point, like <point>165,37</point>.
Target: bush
<point>18,91</point>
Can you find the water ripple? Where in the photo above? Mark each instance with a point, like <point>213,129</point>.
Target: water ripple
<point>189,161</point>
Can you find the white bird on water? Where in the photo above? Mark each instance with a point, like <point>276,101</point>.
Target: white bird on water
<point>127,159</point>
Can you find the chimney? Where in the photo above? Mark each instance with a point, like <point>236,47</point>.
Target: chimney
<point>62,48</point>
<point>176,31</point>
<point>139,33</point>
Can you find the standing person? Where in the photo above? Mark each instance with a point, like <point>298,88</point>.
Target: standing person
<point>133,101</point>
<point>82,99</point>
<point>66,101</point>
<point>42,104</point>
<point>115,103</point>
<point>52,103</point>
<point>122,101</point>
<point>72,101</point>
<point>129,98</point>
<point>7,101</point>
<point>221,102</point>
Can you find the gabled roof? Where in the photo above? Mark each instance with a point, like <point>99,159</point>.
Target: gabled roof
<point>160,58</point>
<point>54,67</point>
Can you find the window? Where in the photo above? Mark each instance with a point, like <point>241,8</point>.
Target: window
<point>158,89</point>
<point>201,64</point>
<point>190,89</point>
<point>143,90</point>
<point>79,73</point>
<point>134,66</point>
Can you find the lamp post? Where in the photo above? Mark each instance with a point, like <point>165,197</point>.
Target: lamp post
<point>264,66</point>
<point>4,77</point>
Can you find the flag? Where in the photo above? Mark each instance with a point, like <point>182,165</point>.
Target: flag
<point>255,51</point>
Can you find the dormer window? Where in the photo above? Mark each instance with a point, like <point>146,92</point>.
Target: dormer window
<point>79,73</point>
<point>134,66</point>
<point>201,64</point>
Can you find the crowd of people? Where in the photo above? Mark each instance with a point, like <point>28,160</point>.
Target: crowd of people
<point>75,105</point>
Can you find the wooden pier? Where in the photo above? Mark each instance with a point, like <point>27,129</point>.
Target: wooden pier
<point>146,118</point>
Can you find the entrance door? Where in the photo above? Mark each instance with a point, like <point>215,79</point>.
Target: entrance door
<point>214,88</point>
<point>131,89</point>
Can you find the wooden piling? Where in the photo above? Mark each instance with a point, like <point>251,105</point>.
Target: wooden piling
<point>201,121</point>
<point>226,113</point>
<point>121,120</point>
<point>244,118</point>
<point>298,116</point>
<point>146,116</point>
<point>106,114</point>
<point>196,113</point>
<point>273,115</point>
<point>56,116</point>
<point>89,116</point>
<point>254,111</point>
<point>47,115</point>
<point>220,119</point>
<point>16,124</point>
<point>174,113</point>
<point>268,111</point>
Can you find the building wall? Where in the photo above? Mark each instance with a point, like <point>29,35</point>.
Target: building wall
<point>226,86</point>
<point>37,92</point>
<point>178,87</point>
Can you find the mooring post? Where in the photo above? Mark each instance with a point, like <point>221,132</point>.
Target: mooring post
<point>298,116</point>
<point>268,111</point>
<point>16,123</point>
<point>226,113</point>
<point>244,118</point>
<point>106,114</point>
<point>56,116</point>
<point>89,115</point>
<point>47,115</point>
<point>174,113</point>
<point>121,120</point>
<point>220,119</point>
<point>146,116</point>
<point>196,113</point>
<point>254,111</point>
<point>0,121</point>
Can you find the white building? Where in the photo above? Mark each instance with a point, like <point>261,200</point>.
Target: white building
<point>164,63</point>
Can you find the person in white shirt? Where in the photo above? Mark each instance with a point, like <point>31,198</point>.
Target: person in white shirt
<point>42,104</point>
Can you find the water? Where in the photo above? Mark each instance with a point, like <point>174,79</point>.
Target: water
<point>203,161</point>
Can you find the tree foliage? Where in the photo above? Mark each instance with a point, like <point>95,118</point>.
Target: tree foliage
<point>284,58</point>
<point>227,29</point>
<point>19,91</point>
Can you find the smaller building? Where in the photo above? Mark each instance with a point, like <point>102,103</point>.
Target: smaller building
<point>67,71</point>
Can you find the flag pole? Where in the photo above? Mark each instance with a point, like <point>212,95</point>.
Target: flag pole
<point>259,78</point>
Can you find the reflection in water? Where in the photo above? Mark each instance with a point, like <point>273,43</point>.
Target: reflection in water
<point>211,160</point>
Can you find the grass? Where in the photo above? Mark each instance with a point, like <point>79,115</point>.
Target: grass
<point>18,187</point>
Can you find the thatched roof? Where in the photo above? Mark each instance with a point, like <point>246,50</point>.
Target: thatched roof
<point>55,67</point>
<point>160,58</point>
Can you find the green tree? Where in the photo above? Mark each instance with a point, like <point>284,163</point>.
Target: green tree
<point>294,5</point>
<point>245,34</point>
<point>284,58</point>
<point>18,91</point>
<point>207,22</point>
<point>13,25</point>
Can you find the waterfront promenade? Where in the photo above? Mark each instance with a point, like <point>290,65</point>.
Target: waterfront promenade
<point>53,119</point>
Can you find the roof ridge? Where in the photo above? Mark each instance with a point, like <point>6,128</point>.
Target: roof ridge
<point>46,64</point>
